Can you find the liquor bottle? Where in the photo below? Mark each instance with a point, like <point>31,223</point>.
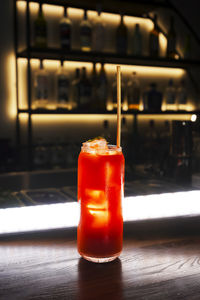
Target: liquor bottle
<point>187,47</point>
<point>76,88</point>
<point>114,93</point>
<point>137,41</point>
<point>182,96</point>
<point>154,98</point>
<point>170,96</point>
<point>125,139</point>
<point>171,40</point>
<point>133,92</point>
<point>40,155</point>
<point>121,37</point>
<point>41,85</point>
<point>151,147</point>
<point>62,87</point>
<point>40,30</point>
<point>154,40</point>
<point>57,154</point>
<point>85,33</point>
<point>165,139</point>
<point>94,79</point>
<point>106,131</point>
<point>85,91</point>
<point>102,88</point>
<point>65,31</point>
<point>98,33</point>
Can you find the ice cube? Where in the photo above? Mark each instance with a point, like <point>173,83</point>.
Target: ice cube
<point>97,207</point>
<point>97,144</point>
<point>100,218</point>
<point>96,199</point>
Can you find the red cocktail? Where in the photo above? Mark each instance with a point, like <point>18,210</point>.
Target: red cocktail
<point>100,192</point>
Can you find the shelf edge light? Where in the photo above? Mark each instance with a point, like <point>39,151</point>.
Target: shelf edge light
<point>66,215</point>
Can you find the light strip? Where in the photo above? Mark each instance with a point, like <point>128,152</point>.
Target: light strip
<point>66,215</point>
<point>164,205</point>
<point>162,117</point>
<point>40,217</point>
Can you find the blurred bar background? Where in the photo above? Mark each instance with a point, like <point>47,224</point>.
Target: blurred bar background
<point>58,86</point>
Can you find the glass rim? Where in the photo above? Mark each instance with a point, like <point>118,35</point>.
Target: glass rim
<point>87,148</point>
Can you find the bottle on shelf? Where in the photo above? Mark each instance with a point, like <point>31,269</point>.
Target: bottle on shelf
<point>57,154</point>
<point>182,95</point>
<point>133,92</point>
<point>85,91</point>
<point>121,37</point>
<point>125,138</point>
<point>114,93</point>
<point>75,89</point>
<point>165,141</point>
<point>41,86</point>
<point>170,96</point>
<point>71,154</point>
<point>106,131</point>
<point>40,30</point>
<point>62,87</point>
<point>65,31</point>
<point>85,33</point>
<point>94,102</point>
<point>187,47</point>
<point>154,98</point>
<point>151,147</point>
<point>40,154</point>
<point>137,41</point>
<point>98,33</point>
<point>102,88</point>
<point>154,39</point>
<point>171,40</point>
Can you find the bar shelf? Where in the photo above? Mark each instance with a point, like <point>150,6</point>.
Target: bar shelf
<point>75,111</point>
<point>106,57</point>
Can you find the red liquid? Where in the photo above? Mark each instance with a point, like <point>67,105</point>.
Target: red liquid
<point>100,191</point>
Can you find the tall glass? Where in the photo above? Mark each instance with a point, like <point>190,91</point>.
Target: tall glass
<point>100,192</point>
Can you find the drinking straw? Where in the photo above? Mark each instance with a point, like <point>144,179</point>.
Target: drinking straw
<point>118,106</point>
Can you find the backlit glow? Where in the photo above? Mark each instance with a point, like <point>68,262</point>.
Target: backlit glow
<point>22,83</point>
<point>77,13</point>
<point>74,118</point>
<point>163,43</point>
<point>147,71</point>
<point>186,117</point>
<point>11,86</point>
<point>45,118</point>
<point>193,118</point>
<point>42,217</point>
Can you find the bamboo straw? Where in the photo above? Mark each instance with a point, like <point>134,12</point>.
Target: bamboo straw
<point>118,106</point>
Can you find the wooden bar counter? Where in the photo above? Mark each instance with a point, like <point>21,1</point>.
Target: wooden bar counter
<point>160,260</point>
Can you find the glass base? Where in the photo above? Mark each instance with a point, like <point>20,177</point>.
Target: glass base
<point>101,259</point>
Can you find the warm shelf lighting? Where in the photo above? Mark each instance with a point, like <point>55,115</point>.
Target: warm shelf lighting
<point>10,74</point>
<point>148,71</point>
<point>160,117</point>
<point>163,43</point>
<point>21,6</point>
<point>193,118</point>
<point>77,13</point>
<point>43,118</point>
<point>52,65</point>
<point>22,82</point>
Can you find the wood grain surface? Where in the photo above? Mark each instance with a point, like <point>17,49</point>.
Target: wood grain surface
<point>149,268</point>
